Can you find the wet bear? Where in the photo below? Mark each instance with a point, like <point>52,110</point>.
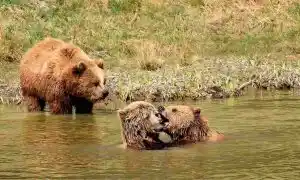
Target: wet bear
<point>187,125</point>
<point>62,75</point>
<point>141,124</point>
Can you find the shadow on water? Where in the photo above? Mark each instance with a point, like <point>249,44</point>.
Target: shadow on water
<point>64,130</point>
<point>53,142</point>
<point>262,131</point>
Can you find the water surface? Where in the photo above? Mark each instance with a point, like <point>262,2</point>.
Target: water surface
<point>263,143</point>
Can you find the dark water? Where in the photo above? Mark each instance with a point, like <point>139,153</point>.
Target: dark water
<point>263,143</point>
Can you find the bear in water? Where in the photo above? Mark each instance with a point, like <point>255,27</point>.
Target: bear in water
<point>62,75</point>
<point>187,126</point>
<point>141,124</point>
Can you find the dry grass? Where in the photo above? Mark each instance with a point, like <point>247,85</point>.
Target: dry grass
<point>164,36</point>
<point>176,31</point>
<point>206,78</point>
<point>147,55</point>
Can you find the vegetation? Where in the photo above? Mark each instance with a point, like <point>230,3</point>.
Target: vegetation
<point>182,49</point>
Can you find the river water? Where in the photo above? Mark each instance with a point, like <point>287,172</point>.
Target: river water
<point>262,132</point>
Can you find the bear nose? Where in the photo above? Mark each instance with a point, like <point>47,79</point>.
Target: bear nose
<point>163,119</point>
<point>105,93</point>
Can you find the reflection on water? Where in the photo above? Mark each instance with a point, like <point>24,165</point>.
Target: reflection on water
<point>262,131</point>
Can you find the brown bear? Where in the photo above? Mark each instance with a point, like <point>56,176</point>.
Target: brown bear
<point>186,125</point>
<point>62,75</point>
<point>141,124</point>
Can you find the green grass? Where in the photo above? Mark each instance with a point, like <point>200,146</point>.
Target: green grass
<point>160,36</point>
<point>175,30</point>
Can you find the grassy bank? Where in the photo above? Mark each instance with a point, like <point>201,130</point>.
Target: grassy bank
<point>170,49</point>
<point>207,78</point>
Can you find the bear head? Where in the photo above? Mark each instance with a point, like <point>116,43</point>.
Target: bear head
<point>141,124</point>
<point>186,124</point>
<point>85,77</point>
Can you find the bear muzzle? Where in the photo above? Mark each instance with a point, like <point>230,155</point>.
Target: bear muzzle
<point>105,93</point>
<point>99,95</point>
<point>162,126</point>
<point>158,128</point>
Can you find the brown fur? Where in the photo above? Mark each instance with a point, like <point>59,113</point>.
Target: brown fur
<point>186,125</point>
<point>62,75</point>
<point>141,123</point>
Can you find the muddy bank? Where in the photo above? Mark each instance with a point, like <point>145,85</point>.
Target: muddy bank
<point>204,79</point>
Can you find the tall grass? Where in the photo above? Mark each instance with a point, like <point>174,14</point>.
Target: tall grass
<point>173,32</point>
<point>165,36</point>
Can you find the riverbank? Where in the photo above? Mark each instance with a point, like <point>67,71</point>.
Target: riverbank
<point>205,78</point>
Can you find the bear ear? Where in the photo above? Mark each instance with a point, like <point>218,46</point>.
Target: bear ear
<point>197,112</point>
<point>121,114</point>
<point>100,63</point>
<point>79,68</point>
<point>68,51</point>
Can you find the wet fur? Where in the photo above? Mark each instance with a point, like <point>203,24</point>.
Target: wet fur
<point>186,125</point>
<point>137,131</point>
<point>51,72</point>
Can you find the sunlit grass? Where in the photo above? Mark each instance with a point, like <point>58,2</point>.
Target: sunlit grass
<point>168,48</point>
<point>180,29</point>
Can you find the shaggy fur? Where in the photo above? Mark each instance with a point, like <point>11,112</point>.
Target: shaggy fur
<point>62,75</point>
<point>186,125</point>
<point>141,124</point>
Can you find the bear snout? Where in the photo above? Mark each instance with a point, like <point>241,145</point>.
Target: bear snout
<point>158,128</point>
<point>162,126</point>
<point>99,94</point>
<point>105,93</point>
<point>163,119</point>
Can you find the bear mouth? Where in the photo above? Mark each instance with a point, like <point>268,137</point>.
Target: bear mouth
<point>162,127</point>
<point>159,129</point>
<point>99,99</point>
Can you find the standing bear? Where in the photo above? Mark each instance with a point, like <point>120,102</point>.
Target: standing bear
<point>187,126</point>
<point>141,124</point>
<point>62,75</point>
